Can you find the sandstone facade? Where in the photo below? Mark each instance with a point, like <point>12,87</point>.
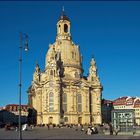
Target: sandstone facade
<point>61,94</point>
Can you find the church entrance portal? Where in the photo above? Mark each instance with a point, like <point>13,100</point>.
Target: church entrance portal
<point>50,120</point>
<point>80,120</point>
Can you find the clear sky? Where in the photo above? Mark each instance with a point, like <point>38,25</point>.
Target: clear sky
<point>108,30</point>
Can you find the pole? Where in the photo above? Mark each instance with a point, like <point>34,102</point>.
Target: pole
<point>20,77</point>
<point>20,85</point>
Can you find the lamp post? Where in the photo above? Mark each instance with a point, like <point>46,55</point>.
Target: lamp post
<point>23,45</point>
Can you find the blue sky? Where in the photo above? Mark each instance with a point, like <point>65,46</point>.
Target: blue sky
<point>108,30</point>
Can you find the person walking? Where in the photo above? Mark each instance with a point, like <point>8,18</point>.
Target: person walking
<point>111,129</point>
<point>93,129</point>
<point>89,131</point>
<point>82,128</point>
<point>116,130</point>
<point>48,126</point>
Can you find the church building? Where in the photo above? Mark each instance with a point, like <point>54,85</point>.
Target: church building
<point>61,93</point>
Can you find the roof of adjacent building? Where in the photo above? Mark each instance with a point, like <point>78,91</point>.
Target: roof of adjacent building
<point>104,101</point>
<point>128,101</point>
<point>15,107</point>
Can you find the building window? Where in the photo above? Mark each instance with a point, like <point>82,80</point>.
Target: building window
<point>79,120</point>
<point>15,108</point>
<point>76,75</point>
<point>51,72</point>
<point>65,102</point>
<point>75,55</point>
<point>51,102</point>
<point>72,54</point>
<point>65,28</point>
<point>79,103</point>
<point>66,119</point>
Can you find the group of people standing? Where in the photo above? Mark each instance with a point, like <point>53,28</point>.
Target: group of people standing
<point>91,130</point>
<point>115,130</point>
<point>101,129</point>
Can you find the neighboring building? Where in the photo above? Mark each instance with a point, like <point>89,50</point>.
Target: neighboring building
<point>107,107</point>
<point>61,94</point>
<point>129,103</point>
<point>124,118</point>
<point>14,108</point>
<point>10,113</point>
<point>7,117</point>
<point>136,107</point>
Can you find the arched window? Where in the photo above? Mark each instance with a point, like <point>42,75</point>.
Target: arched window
<point>65,102</point>
<point>51,72</point>
<point>72,53</point>
<point>65,28</point>
<point>76,75</point>
<point>79,103</point>
<point>51,102</point>
<point>92,79</point>
<point>66,119</point>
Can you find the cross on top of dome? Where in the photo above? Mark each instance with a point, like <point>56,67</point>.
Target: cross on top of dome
<point>63,16</point>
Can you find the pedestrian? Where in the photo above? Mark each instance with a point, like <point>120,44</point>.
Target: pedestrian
<point>76,128</point>
<point>82,128</point>
<point>32,126</point>
<point>48,126</point>
<point>7,126</point>
<point>134,130</point>
<point>16,129</point>
<point>116,130</point>
<point>111,129</point>
<point>93,129</point>
<point>96,130</point>
<point>89,131</point>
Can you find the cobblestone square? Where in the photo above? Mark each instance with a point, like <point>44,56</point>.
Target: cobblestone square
<point>59,133</point>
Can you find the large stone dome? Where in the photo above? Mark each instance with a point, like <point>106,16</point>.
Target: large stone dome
<point>70,53</point>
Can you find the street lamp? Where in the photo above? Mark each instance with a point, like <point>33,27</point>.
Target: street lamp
<point>23,45</point>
